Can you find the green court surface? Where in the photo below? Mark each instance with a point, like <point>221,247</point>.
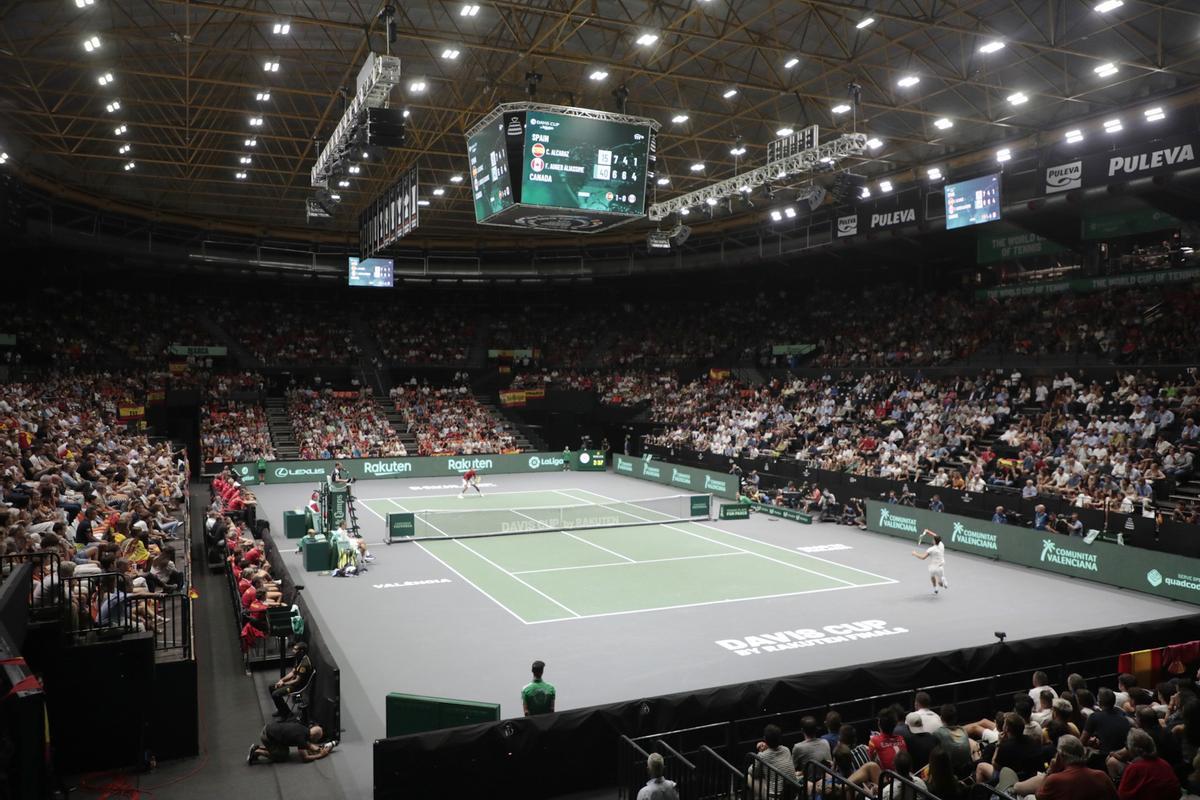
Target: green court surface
<point>554,576</point>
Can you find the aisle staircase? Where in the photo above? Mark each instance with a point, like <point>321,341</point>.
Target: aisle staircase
<point>280,424</point>
<point>523,435</point>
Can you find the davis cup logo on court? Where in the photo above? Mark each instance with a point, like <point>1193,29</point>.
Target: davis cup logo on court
<point>808,637</point>
<point>896,522</point>
<point>964,535</point>
<point>1076,559</point>
<point>1064,176</point>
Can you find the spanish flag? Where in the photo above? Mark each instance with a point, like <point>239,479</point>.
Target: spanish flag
<point>1145,665</point>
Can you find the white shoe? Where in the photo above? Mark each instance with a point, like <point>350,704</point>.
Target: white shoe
<point>460,497</point>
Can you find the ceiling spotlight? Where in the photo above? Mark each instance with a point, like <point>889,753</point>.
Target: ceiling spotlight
<point>335,197</point>
<point>241,176</point>
<point>907,81</point>
<point>456,178</point>
<point>738,148</point>
<point>826,160</point>
<point>439,191</point>
<point>874,143</point>
<point>1003,154</point>
<point>468,11</point>
<point>83,3</point>
<point>114,106</point>
<point>943,124</point>
<point>885,186</point>
<point>270,66</point>
<point>354,169</point>
<point>1074,136</point>
<point>683,212</point>
<point>130,165</point>
<point>712,201</point>
<point>679,119</point>
<point>791,62</point>
<point>841,108</point>
<point>105,79</point>
<point>865,193</point>
<point>1112,125</point>
<point>422,202</point>
<point>244,160</point>
<point>1154,114</point>
<point>598,75</point>
<point>3,157</point>
<point>784,131</point>
<point>282,28</point>
<point>992,46</point>
<point>744,188</point>
<point>729,93</point>
<point>647,39</point>
<point>417,86</point>
<point>934,173</point>
<point>663,181</point>
<point>790,212</point>
<point>450,53</point>
<point>697,167</point>
<point>777,215</point>
<point>123,149</point>
<point>1106,69</point>
<point>256,122</point>
<point>865,22</point>
<point>120,130</point>
<point>405,113</point>
<point>1109,5</point>
<point>344,183</point>
<point>1018,98</point>
<point>251,143</point>
<point>262,97</point>
<point>91,43</point>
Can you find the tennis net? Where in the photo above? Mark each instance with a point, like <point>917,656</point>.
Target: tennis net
<point>465,523</point>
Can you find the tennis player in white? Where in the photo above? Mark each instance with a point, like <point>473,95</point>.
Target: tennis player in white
<point>937,560</point>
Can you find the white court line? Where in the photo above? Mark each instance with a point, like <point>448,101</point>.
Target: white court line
<point>456,494</point>
<point>573,536</point>
<point>626,564</point>
<point>882,578</point>
<point>706,602</point>
<point>460,543</point>
<point>735,547</point>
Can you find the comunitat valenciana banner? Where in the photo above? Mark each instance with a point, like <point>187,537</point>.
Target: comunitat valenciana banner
<point>691,478</point>
<point>1162,574</point>
<point>420,467</point>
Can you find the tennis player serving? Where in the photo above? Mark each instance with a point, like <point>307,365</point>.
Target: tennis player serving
<point>937,559</point>
<point>470,481</point>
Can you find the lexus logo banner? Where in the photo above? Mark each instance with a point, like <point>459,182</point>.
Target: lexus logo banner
<point>1116,166</point>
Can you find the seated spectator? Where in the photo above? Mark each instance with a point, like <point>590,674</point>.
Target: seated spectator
<point>1147,777</point>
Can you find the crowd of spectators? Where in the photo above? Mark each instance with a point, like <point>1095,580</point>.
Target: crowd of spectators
<point>106,502</point>
<point>424,335</point>
<point>614,386</point>
<point>275,332</point>
<point>1125,742</point>
<point>234,429</point>
<point>449,420</point>
<point>1119,444</point>
<point>330,423</point>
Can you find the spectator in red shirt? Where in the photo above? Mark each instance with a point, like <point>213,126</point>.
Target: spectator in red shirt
<point>1069,777</point>
<point>1147,777</point>
<point>884,745</point>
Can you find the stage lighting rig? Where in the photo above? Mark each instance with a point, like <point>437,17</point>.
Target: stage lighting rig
<point>378,76</point>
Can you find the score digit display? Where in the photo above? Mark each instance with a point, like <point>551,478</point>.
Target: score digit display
<point>491,187</point>
<point>579,163</point>
<point>377,272</point>
<point>972,202</point>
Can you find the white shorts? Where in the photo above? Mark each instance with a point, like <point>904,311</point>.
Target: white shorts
<point>938,572</point>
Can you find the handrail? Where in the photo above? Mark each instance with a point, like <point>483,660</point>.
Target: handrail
<point>815,771</point>
<point>720,759</point>
<point>913,790</point>
<point>634,745</point>
<point>675,753</point>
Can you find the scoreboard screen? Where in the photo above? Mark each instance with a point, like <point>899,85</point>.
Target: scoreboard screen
<point>377,272</point>
<point>972,202</point>
<point>491,186</point>
<point>575,162</point>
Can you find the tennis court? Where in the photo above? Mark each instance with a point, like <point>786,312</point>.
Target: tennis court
<point>634,564</point>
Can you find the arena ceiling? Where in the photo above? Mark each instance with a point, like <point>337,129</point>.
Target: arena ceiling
<point>187,75</point>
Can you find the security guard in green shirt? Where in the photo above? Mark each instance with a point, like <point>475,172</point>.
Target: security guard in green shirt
<point>538,696</point>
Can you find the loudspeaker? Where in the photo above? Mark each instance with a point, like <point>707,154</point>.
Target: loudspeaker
<point>846,187</point>
<point>385,127</point>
